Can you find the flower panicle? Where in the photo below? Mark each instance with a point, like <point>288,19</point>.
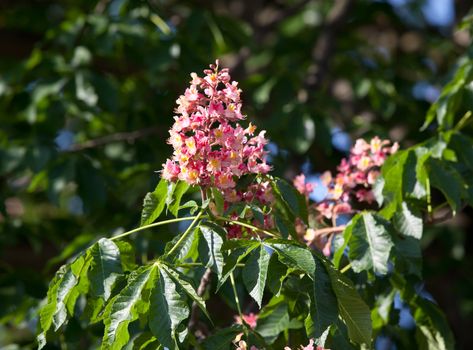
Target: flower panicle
<point>210,147</point>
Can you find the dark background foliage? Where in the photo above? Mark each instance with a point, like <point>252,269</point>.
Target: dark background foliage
<point>87,91</point>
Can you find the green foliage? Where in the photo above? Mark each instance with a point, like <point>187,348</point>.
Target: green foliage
<point>86,97</point>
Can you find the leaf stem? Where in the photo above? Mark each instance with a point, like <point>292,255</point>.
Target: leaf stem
<point>244,224</point>
<point>185,234</point>
<point>165,222</point>
<point>195,264</point>
<point>237,300</point>
<point>463,121</point>
<point>429,199</point>
<point>346,268</point>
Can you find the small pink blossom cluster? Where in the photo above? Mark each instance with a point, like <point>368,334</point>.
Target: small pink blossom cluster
<point>260,194</point>
<point>210,147</point>
<point>243,346</point>
<point>356,176</point>
<point>352,185</point>
<point>250,319</point>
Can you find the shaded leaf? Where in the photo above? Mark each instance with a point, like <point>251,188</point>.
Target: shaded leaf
<point>369,243</point>
<point>255,272</point>
<point>352,309</point>
<point>154,202</point>
<point>408,222</point>
<point>211,251</point>
<point>323,303</point>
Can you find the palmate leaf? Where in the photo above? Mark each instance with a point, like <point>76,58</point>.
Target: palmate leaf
<point>179,190</point>
<point>432,330</point>
<point>352,309</point>
<point>210,246</point>
<point>169,307</point>
<point>290,198</point>
<point>154,203</point>
<point>222,339</point>
<point>255,273</point>
<point>404,175</point>
<point>293,255</point>
<point>187,287</point>
<point>408,222</point>
<point>123,309</point>
<point>369,243</point>
<point>448,181</point>
<point>105,268</point>
<point>61,296</point>
<point>166,194</point>
<point>273,320</point>
<point>323,303</point>
<point>93,272</point>
<point>159,291</point>
<point>239,250</point>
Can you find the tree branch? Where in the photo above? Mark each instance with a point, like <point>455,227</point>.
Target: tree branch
<point>323,48</point>
<point>194,318</point>
<point>118,137</point>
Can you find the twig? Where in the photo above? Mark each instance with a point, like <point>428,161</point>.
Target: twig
<point>117,137</point>
<point>326,231</point>
<point>206,278</point>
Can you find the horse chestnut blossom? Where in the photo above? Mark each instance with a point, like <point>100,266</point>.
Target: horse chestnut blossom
<point>356,176</point>
<point>211,148</point>
<point>352,185</point>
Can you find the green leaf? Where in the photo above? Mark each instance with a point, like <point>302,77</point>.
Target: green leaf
<point>184,248</point>
<point>235,257</point>
<point>180,189</point>
<point>275,321</point>
<point>124,309</point>
<point>432,330</point>
<point>323,303</point>
<point>61,288</point>
<point>293,200</point>
<point>255,272</point>
<point>369,243</point>
<point>408,222</point>
<point>154,202</point>
<point>392,172</point>
<point>277,273</point>
<point>211,251</point>
<point>105,268</point>
<point>187,287</point>
<point>146,341</point>
<point>448,181</point>
<point>127,255</point>
<point>353,310</point>
<point>408,255</point>
<point>380,313</point>
<point>169,309</point>
<point>446,106</point>
<point>463,146</point>
<point>294,256</point>
<point>222,339</point>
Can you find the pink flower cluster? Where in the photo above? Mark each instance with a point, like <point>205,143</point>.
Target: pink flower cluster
<point>356,176</point>
<point>243,346</point>
<point>351,186</point>
<point>210,147</point>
